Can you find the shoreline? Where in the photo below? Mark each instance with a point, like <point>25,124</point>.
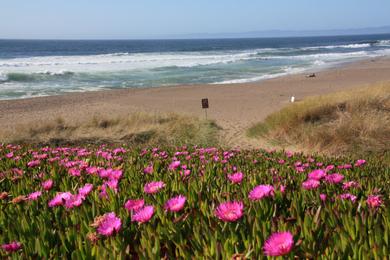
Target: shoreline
<point>233,106</point>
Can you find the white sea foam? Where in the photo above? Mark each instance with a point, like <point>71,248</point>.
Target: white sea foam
<point>120,61</point>
<point>286,71</point>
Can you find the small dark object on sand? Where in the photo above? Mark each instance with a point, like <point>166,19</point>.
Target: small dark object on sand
<point>312,75</point>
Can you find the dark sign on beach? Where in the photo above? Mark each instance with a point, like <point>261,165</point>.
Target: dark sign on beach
<point>205,103</point>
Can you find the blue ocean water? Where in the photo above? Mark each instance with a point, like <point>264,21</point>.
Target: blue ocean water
<point>30,68</point>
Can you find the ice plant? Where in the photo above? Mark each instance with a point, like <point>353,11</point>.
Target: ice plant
<point>86,189</point>
<point>310,184</point>
<point>261,191</point>
<point>153,187</point>
<point>374,201</point>
<point>34,196</point>
<point>230,211</point>
<point>148,169</point>
<point>279,244</point>
<point>143,215</point>
<point>108,224</point>
<point>48,184</point>
<point>348,196</point>
<point>334,178</point>
<point>175,204</point>
<point>12,247</point>
<point>134,204</point>
<point>60,199</point>
<point>317,175</point>
<point>236,177</point>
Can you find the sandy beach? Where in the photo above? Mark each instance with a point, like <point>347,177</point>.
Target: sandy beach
<point>233,106</point>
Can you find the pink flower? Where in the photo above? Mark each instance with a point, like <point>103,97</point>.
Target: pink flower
<point>236,177</point>
<point>360,162</point>
<point>317,175</point>
<point>374,201</point>
<point>134,204</point>
<point>174,165</point>
<point>74,201</point>
<point>47,185</point>
<point>279,244</point>
<point>33,164</point>
<point>86,189</point>
<point>350,184</point>
<point>149,169</point>
<point>74,172</point>
<point>310,184</point>
<point>261,191</point>
<point>34,195</point>
<point>60,199</point>
<point>12,247</point>
<point>175,204</point>
<point>282,188</point>
<point>143,215</point>
<point>323,197</point>
<point>348,196</point>
<point>230,211</point>
<point>109,224</point>
<point>334,178</point>
<point>153,187</point>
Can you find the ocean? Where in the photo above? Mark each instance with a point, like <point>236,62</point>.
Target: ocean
<point>32,68</point>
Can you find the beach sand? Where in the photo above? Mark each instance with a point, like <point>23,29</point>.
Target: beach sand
<point>234,107</point>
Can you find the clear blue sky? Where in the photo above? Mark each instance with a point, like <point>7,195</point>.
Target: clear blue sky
<point>156,18</point>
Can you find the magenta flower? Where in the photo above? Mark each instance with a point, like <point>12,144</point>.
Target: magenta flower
<point>175,204</point>
<point>34,195</point>
<point>33,164</point>
<point>230,211</point>
<point>236,177</point>
<point>323,197</point>
<point>334,178</point>
<point>109,224</point>
<point>143,215</point>
<point>310,184</point>
<point>134,204</point>
<point>60,199</point>
<point>374,201</point>
<point>153,187</point>
<point>317,175</point>
<point>12,247</point>
<point>47,185</point>
<point>282,188</point>
<point>279,244</point>
<point>360,162</point>
<point>86,189</point>
<point>348,196</point>
<point>350,184</point>
<point>261,191</point>
<point>174,165</point>
<point>149,169</point>
<point>74,201</point>
<point>74,172</point>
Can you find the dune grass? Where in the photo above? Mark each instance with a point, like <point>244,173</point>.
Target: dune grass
<point>349,122</point>
<point>136,129</point>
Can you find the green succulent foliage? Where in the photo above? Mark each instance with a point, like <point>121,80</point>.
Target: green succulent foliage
<point>331,229</point>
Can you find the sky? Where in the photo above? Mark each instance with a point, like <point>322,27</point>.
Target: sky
<point>130,19</point>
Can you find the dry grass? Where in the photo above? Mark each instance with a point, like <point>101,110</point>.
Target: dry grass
<point>349,122</point>
<point>137,129</point>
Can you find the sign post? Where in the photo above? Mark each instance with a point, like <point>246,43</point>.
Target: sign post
<point>205,105</point>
